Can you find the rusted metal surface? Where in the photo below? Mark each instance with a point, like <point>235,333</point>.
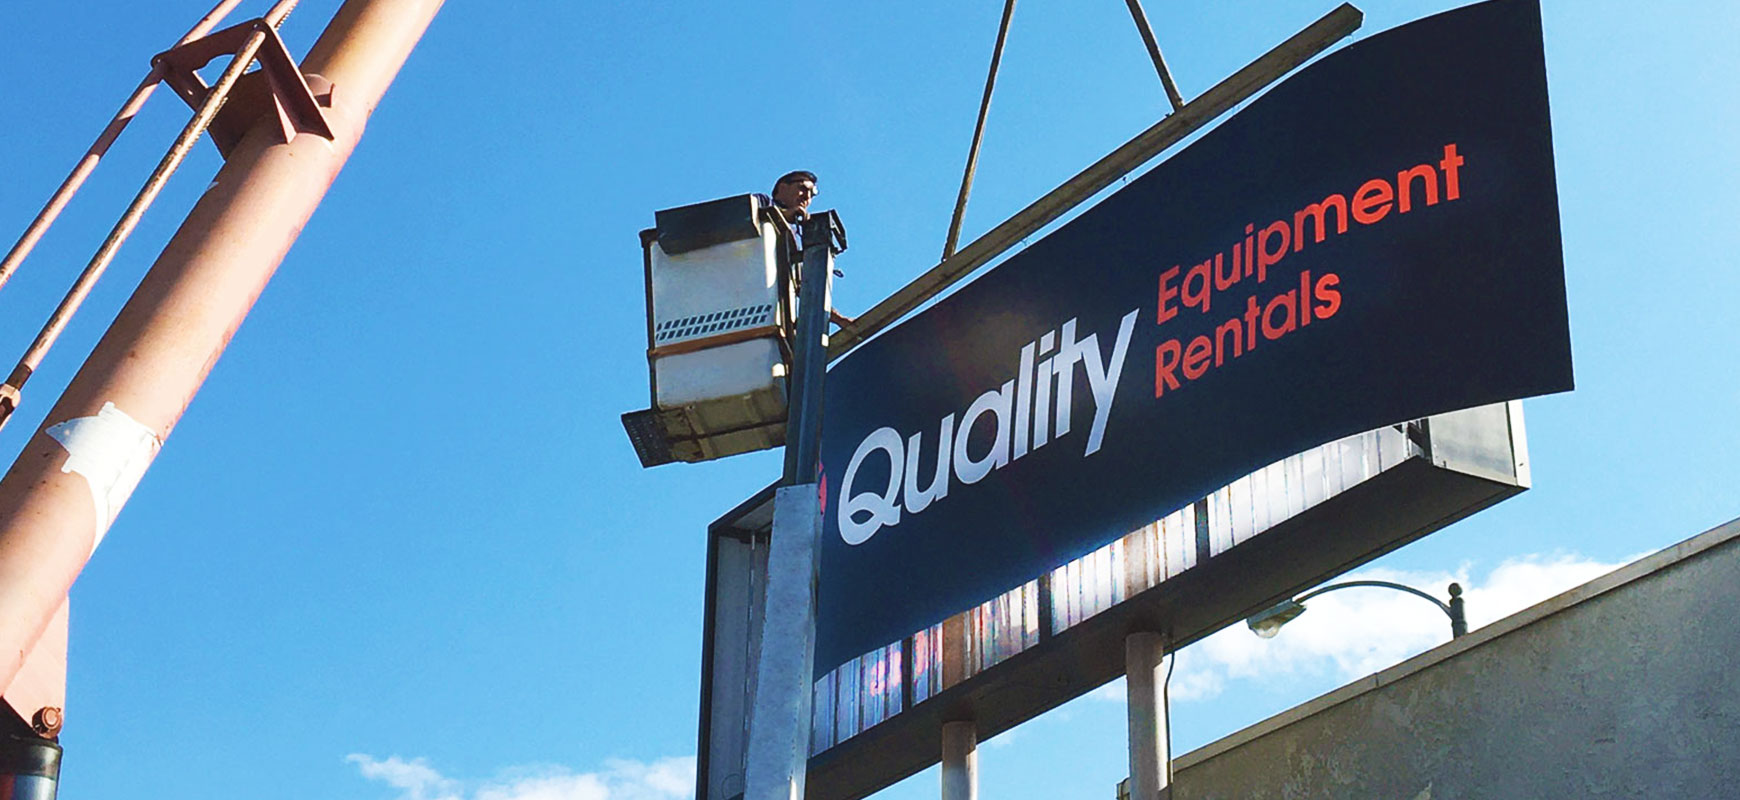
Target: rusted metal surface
<point>1242,85</point>
<point>716,340</point>
<point>297,112</point>
<point>136,101</point>
<point>41,682</point>
<point>47,721</point>
<point>99,263</point>
<point>293,98</point>
<point>147,367</point>
<point>954,235</point>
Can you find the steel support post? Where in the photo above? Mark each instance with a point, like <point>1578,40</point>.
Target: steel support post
<point>779,713</point>
<point>1150,761</point>
<point>960,761</point>
<point>78,469</point>
<point>823,236</point>
<point>779,719</point>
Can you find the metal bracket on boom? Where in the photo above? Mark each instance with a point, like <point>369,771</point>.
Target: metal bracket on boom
<point>296,99</point>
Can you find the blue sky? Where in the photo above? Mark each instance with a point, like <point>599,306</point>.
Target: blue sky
<point>399,546</point>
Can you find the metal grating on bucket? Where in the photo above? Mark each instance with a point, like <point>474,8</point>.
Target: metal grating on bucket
<point>714,322</point>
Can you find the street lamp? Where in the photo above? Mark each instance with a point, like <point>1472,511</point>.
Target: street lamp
<point>1268,623</point>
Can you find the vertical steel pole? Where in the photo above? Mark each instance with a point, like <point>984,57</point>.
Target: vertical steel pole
<point>810,354</point>
<point>60,496</point>
<point>777,755</point>
<point>1150,761</point>
<point>779,717</point>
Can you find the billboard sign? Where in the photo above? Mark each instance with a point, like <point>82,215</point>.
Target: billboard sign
<point>1374,240</point>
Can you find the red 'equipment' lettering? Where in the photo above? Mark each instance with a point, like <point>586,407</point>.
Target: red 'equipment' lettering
<point>1372,202</point>
<point>1224,280</point>
<point>1265,259</point>
<point>1200,298</point>
<point>1451,164</point>
<point>1405,195</point>
<point>1167,294</point>
<point>1318,211</point>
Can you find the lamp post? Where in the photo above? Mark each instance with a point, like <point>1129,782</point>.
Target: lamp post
<point>1268,623</point>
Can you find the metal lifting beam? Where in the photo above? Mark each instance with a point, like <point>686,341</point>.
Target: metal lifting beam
<point>954,235</point>
<point>1209,105</point>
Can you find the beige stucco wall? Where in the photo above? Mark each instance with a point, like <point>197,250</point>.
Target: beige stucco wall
<point>1628,686</point>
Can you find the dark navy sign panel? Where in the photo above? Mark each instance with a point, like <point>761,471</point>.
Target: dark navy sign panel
<point>1374,240</point>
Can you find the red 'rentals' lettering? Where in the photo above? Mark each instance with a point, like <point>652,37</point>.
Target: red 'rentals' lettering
<point>1165,362</point>
<point>1451,164</point>
<point>1304,298</point>
<point>1252,311</point>
<point>1167,294</point>
<point>1372,201</point>
<point>1328,298</point>
<point>1196,356</point>
<point>1234,327</point>
<point>1265,258</point>
<point>1282,302</point>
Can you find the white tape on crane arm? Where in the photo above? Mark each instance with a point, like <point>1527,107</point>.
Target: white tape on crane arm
<point>112,451</point>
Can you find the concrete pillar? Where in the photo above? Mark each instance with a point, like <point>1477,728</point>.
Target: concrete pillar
<point>1144,657</point>
<point>960,761</point>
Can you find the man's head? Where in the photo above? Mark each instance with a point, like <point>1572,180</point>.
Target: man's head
<point>794,190</point>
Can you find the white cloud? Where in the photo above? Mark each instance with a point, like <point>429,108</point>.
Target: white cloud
<point>1352,633</point>
<point>620,779</point>
<point>414,779</point>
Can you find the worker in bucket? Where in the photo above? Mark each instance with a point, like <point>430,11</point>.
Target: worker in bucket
<point>793,193</point>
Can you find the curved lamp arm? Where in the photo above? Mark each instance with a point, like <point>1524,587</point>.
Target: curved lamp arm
<point>1268,622</point>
